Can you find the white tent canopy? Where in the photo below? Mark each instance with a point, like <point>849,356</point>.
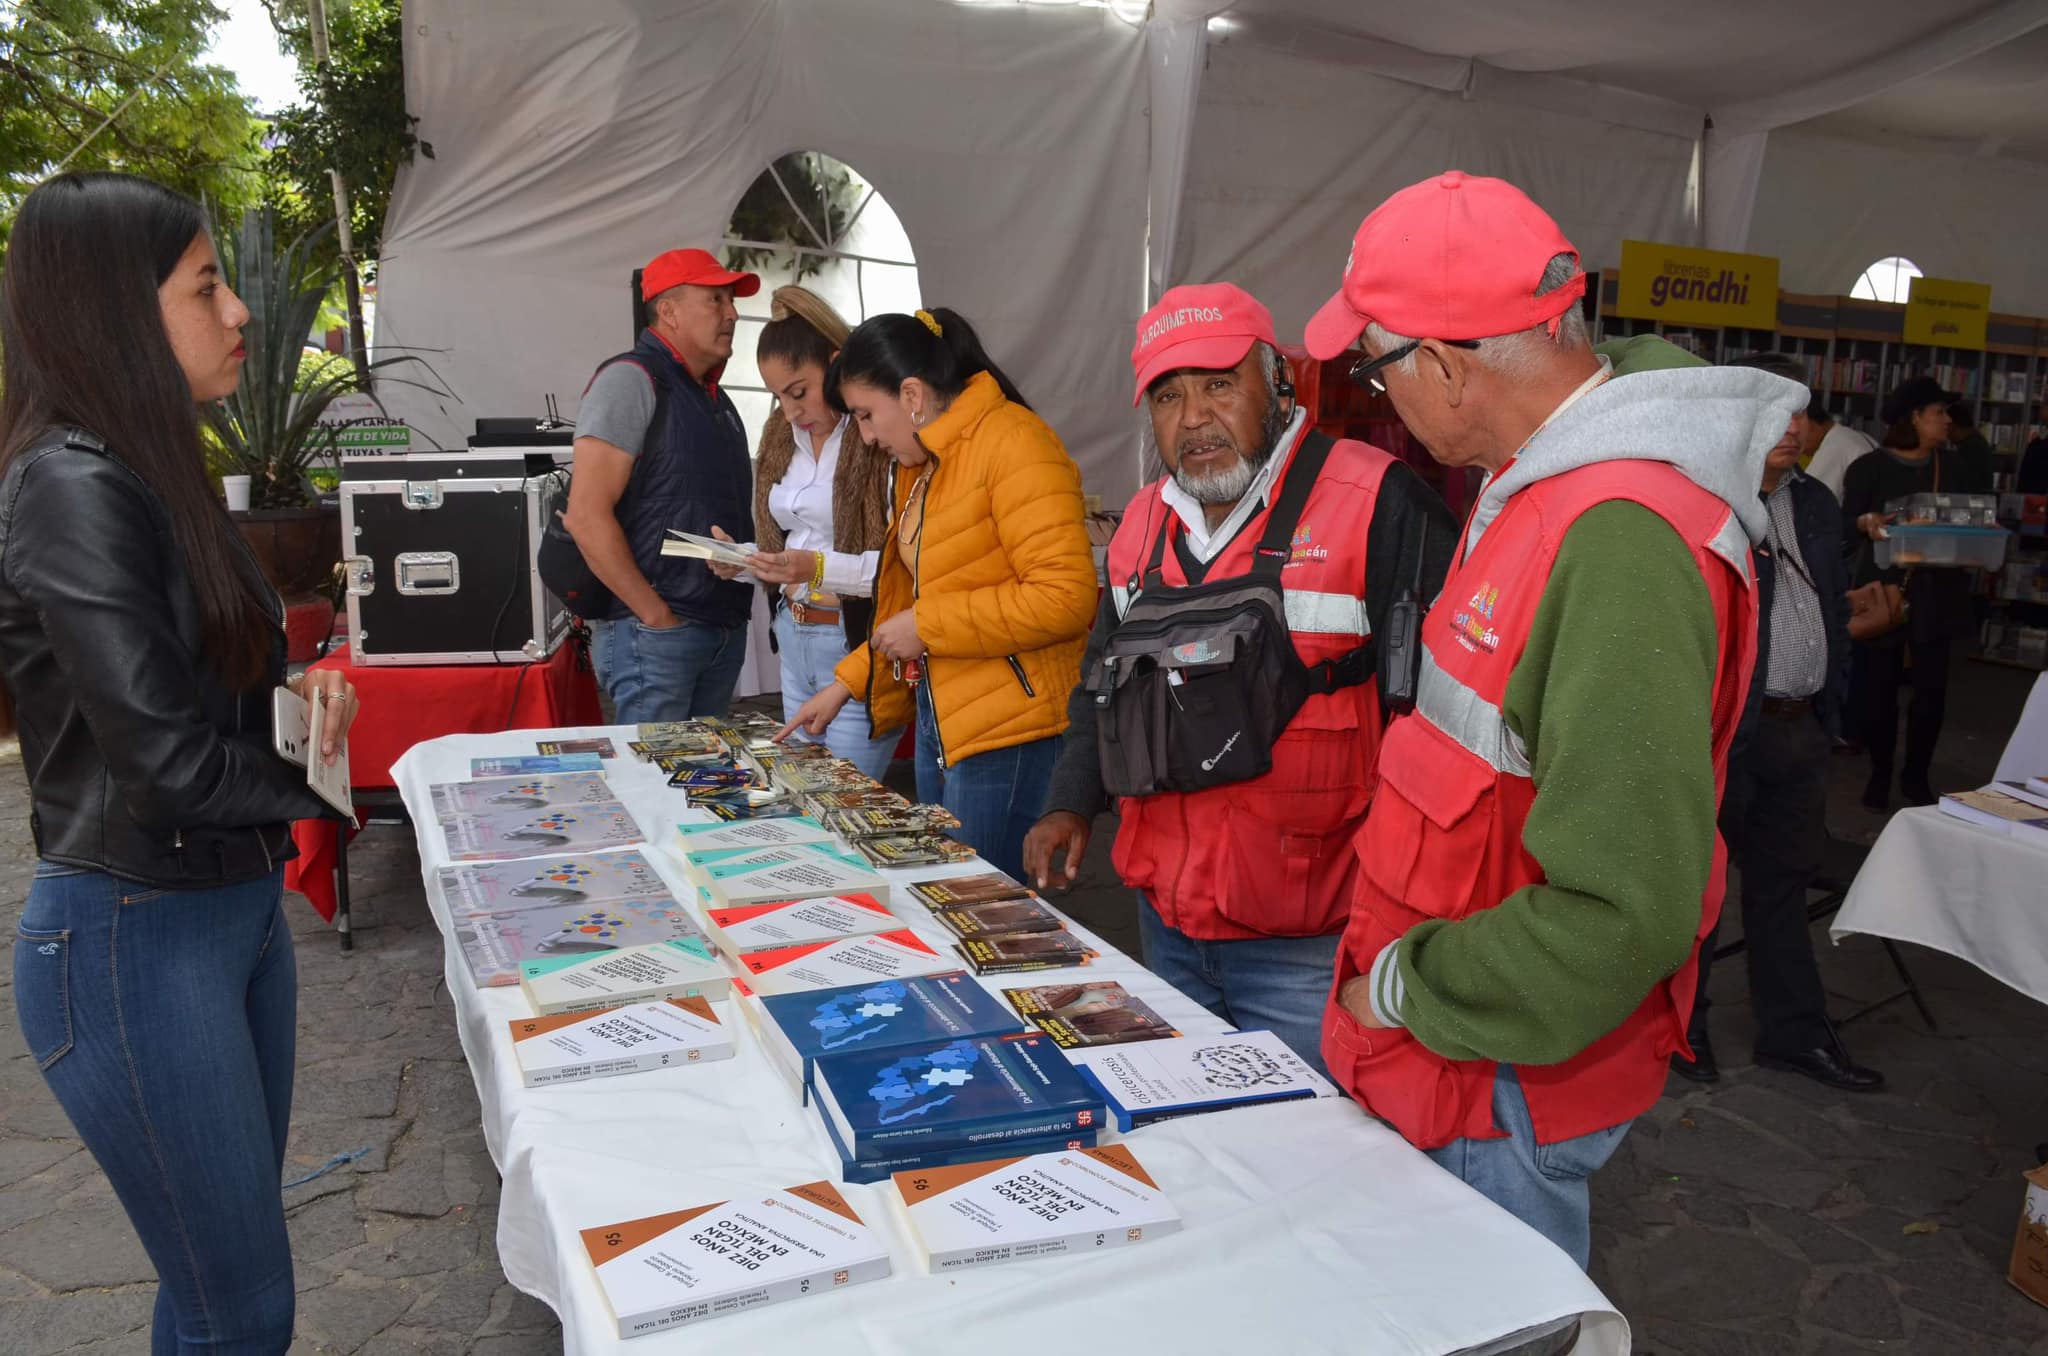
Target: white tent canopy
<point>1055,164</point>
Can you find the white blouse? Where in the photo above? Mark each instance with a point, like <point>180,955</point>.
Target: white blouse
<point>801,504</point>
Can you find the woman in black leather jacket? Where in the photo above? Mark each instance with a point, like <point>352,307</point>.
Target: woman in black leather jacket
<point>139,643</point>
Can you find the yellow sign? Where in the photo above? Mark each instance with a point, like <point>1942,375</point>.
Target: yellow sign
<point>1947,313</point>
<point>1683,286</point>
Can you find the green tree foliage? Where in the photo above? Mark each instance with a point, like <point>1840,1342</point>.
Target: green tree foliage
<point>351,117</point>
<point>65,65</point>
<point>820,201</point>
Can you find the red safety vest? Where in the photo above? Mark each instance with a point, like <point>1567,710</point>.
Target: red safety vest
<point>1269,857</point>
<point>1444,839</point>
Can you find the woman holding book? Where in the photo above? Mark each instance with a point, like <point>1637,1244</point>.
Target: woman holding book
<point>140,646</point>
<point>821,513</point>
<point>986,582</point>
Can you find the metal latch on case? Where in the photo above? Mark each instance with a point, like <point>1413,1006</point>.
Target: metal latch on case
<point>429,572</point>
<point>361,575</point>
<point>421,494</point>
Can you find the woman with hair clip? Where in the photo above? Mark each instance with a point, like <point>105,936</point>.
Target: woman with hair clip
<point>140,645</point>
<point>821,513</point>
<point>986,583</point>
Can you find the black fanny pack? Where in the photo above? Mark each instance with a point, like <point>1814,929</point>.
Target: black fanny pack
<point>1196,684</point>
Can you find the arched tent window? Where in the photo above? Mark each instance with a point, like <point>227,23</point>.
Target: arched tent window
<point>1888,279</point>
<point>813,220</point>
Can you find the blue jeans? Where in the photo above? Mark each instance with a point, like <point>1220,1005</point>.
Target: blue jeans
<point>1276,984</point>
<point>997,795</point>
<point>1543,1185</point>
<point>809,654</point>
<point>165,1023</point>
<point>671,673</point>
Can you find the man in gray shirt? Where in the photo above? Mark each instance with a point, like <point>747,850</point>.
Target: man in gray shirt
<point>660,446</point>
<point>1774,810</point>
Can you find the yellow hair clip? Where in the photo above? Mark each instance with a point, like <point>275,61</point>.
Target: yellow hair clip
<point>931,324</point>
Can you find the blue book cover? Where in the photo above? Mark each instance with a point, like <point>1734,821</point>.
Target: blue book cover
<point>881,1169</point>
<point>948,1094</point>
<point>534,764</point>
<point>886,1015</point>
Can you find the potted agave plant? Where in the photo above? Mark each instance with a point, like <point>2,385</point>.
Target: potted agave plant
<point>271,428</point>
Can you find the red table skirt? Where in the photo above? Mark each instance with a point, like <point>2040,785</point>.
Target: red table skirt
<point>402,705</point>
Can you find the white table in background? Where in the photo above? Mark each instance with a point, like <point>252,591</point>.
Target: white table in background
<point>1309,1226</point>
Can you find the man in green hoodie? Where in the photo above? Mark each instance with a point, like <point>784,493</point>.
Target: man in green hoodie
<point>1540,860</point>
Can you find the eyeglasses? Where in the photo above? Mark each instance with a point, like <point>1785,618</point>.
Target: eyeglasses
<point>1365,370</point>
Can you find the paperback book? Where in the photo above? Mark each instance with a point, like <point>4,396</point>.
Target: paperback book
<point>805,871</point>
<point>891,821</point>
<point>2021,790</point>
<point>907,1159</point>
<point>751,835</point>
<point>503,795</point>
<point>734,813</point>
<point>692,546</point>
<point>494,945</point>
<point>502,887</point>
<point>924,849</point>
<point>821,804</point>
<point>1019,951</point>
<point>528,833</point>
<point>1997,811</point>
<point>788,923</point>
<point>534,764</point>
<point>602,747</point>
<point>684,967</point>
<point>571,1047</point>
<point>981,1090</point>
<point>986,888</point>
<point>832,965</point>
<point>1007,1209</point>
<point>1159,1080</point>
<point>1001,919</point>
<point>1080,1015</point>
<point>667,1270</point>
<point>797,1028</point>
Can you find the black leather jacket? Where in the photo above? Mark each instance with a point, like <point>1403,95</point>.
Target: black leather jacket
<point>140,763</point>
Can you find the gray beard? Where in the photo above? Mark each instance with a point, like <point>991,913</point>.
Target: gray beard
<point>1229,485</point>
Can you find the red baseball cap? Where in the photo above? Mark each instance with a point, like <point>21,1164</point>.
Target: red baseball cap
<point>676,267</point>
<point>1211,326</point>
<point>1454,257</point>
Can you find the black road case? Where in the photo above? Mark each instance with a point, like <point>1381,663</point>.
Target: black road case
<point>440,555</point>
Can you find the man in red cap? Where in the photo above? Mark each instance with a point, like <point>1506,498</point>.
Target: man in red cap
<point>1540,860</point>
<point>1244,873</point>
<point>659,446</point>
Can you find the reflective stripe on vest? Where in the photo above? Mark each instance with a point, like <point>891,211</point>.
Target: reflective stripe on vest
<point>1474,722</point>
<point>1329,614</point>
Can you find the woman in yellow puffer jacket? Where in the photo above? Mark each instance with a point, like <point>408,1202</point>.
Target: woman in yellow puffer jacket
<point>986,585</point>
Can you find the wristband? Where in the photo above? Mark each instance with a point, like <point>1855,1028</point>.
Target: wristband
<point>817,571</point>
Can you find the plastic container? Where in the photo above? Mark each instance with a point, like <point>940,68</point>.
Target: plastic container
<point>1945,510</point>
<point>1979,548</point>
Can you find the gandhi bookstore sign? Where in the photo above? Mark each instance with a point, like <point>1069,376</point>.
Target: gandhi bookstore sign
<point>1948,314</point>
<point>1679,285</point>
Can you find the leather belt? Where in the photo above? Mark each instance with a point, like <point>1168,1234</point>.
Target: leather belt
<point>1788,708</point>
<point>805,614</point>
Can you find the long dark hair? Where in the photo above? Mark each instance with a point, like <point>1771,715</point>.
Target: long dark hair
<point>887,350</point>
<point>82,342</point>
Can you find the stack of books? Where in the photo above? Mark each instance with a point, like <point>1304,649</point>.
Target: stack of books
<point>499,818</point>
<point>1002,926</point>
<point>795,1029</point>
<point>746,928</point>
<point>830,965</point>
<point>1008,1209</point>
<point>798,871</point>
<point>570,1047</point>
<point>667,1270</point>
<point>2014,808</point>
<point>951,1102</point>
<point>685,967</point>
<point>1081,1015</point>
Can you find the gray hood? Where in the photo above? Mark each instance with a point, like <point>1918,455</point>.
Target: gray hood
<point>1715,424</point>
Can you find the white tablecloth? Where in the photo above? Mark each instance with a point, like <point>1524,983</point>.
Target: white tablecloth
<point>1973,892</point>
<point>1309,1227</point>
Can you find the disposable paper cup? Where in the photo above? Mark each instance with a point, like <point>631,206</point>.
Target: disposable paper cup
<point>237,490</point>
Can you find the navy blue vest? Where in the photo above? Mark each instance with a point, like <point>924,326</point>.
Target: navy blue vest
<point>692,472</point>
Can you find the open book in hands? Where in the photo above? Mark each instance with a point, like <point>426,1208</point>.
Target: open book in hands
<point>694,547</point>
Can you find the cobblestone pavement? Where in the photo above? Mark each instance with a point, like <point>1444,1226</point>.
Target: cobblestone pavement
<point>1765,1215</point>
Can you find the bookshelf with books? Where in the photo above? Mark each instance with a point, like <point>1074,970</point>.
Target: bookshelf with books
<point>2012,371</point>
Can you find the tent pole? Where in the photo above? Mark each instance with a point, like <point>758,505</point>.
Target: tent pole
<point>351,282</point>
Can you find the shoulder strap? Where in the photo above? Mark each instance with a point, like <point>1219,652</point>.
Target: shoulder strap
<point>1277,542</point>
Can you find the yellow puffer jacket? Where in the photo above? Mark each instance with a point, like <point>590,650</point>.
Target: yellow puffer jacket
<point>1004,583</point>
